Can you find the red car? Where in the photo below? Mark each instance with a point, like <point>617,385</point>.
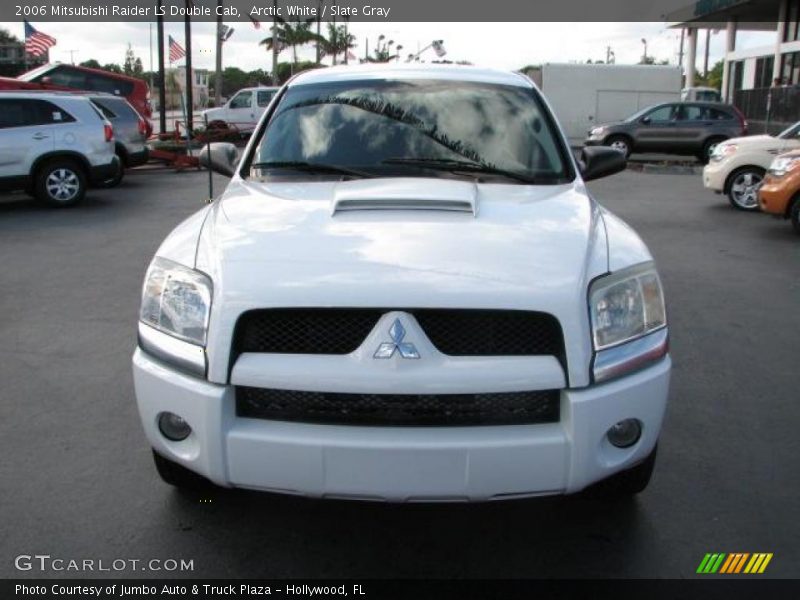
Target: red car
<point>57,76</point>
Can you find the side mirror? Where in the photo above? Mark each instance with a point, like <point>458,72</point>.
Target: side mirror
<point>645,121</point>
<point>224,158</point>
<point>601,161</point>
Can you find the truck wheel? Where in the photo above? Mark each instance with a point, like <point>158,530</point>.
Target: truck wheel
<point>743,186</point>
<point>179,476</point>
<point>794,213</point>
<point>631,481</point>
<point>60,182</point>
<point>621,143</point>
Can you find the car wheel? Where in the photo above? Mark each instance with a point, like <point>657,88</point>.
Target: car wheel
<point>708,149</point>
<point>631,481</point>
<point>60,182</point>
<point>794,213</point>
<point>621,143</point>
<point>743,187</point>
<point>179,476</point>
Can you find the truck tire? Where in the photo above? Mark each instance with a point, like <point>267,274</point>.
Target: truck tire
<point>60,182</point>
<point>179,476</point>
<point>631,481</point>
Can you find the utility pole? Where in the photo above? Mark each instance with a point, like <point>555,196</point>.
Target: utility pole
<point>218,66</point>
<point>187,28</point>
<point>319,24</point>
<point>275,42</point>
<point>680,50</point>
<point>346,40</point>
<point>162,92</point>
<point>705,60</point>
<point>72,56</point>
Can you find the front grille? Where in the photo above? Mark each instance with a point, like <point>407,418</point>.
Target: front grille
<point>506,408</point>
<point>456,332</point>
<point>304,331</point>
<point>491,332</point>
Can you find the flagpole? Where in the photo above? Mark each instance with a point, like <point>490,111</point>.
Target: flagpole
<point>187,25</point>
<point>162,92</point>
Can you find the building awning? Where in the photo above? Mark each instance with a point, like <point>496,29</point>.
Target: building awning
<point>756,15</point>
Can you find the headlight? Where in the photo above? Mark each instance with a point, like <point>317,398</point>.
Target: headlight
<point>176,300</point>
<point>782,165</point>
<point>723,151</point>
<point>626,305</point>
<point>597,131</point>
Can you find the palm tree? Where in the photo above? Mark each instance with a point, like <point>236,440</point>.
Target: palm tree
<point>338,41</point>
<point>297,33</point>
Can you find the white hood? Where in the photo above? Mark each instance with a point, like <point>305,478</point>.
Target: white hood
<point>290,245</point>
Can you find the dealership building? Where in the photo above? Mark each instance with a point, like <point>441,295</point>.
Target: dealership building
<point>764,82</point>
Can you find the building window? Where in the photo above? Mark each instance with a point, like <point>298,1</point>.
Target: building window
<point>791,31</point>
<point>790,69</point>
<point>764,72</point>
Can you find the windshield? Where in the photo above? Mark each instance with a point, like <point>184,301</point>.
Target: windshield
<point>791,132</point>
<point>427,128</point>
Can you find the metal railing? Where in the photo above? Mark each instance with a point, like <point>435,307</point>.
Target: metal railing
<point>769,110</point>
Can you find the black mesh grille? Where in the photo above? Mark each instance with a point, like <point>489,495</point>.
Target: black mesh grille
<point>491,332</point>
<point>457,332</point>
<point>398,409</point>
<point>304,331</point>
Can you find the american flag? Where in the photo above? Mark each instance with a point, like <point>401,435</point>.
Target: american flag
<point>175,50</point>
<point>36,42</point>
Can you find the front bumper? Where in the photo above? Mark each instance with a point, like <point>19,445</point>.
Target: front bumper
<point>774,196</point>
<point>402,463</point>
<point>714,176</point>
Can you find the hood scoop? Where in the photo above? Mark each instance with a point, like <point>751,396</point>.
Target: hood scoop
<point>410,193</point>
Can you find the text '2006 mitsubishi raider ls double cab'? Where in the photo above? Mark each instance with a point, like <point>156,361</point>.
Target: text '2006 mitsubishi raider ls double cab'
<point>405,293</point>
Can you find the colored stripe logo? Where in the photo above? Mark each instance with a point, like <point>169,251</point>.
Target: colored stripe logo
<point>734,563</point>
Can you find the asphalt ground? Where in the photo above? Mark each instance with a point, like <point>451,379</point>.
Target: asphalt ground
<point>78,479</point>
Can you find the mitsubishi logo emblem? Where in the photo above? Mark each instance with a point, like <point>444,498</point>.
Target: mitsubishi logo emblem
<point>387,349</point>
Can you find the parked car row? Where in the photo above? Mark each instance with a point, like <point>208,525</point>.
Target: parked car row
<point>759,172</point>
<point>55,145</point>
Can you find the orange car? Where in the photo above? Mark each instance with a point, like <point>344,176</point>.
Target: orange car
<point>780,192</point>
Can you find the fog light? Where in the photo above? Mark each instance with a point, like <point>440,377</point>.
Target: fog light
<point>625,433</point>
<point>173,427</point>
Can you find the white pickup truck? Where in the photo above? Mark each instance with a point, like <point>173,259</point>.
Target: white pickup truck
<point>405,293</point>
<point>243,110</point>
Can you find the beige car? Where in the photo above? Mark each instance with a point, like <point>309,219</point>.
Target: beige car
<point>737,166</point>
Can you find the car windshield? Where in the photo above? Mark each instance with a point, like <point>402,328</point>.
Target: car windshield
<point>429,128</point>
<point>791,132</point>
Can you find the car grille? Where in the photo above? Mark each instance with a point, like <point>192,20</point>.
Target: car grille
<point>505,408</point>
<point>456,332</point>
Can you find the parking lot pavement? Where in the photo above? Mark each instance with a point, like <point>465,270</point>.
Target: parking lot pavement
<point>78,480</point>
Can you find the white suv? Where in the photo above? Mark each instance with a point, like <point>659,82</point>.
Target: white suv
<point>243,110</point>
<point>54,146</point>
<point>406,293</point>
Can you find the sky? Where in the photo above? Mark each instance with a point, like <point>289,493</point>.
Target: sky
<point>496,45</point>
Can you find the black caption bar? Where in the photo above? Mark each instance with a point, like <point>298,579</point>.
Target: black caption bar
<point>133,589</point>
<point>384,10</point>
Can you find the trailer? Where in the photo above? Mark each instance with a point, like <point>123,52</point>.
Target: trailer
<point>585,95</point>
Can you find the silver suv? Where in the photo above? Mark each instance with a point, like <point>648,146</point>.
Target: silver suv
<point>54,146</point>
<point>130,131</point>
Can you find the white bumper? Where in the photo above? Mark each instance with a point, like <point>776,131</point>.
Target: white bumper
<point>714,175</point>
<point>402,463</point>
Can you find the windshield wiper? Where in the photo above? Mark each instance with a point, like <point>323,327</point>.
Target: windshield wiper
<point>447,164</point>
<point>309,167</point>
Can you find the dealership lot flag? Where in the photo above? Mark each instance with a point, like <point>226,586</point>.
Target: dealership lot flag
<point>176,52</point>
<point>36,42</point>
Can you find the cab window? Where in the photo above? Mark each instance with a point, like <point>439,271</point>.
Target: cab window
<point>242,100</point>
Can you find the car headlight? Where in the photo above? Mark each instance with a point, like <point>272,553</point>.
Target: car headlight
<point>176,300</point>
<point>629,324</point>
<point>626,305</point>
<point>597,131</point>
<point>782,165</point>
<point>723,151</point>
